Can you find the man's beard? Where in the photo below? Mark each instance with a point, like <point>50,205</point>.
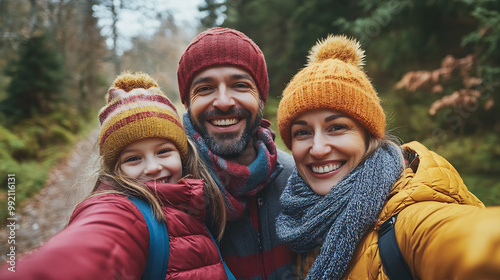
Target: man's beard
<point>216,142</point>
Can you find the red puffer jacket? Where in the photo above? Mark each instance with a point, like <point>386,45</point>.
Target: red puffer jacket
<point>107,238</point>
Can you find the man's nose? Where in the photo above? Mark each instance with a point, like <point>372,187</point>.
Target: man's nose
<point>224,99</point>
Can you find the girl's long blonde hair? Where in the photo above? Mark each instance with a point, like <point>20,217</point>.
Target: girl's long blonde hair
<point>193,168</point>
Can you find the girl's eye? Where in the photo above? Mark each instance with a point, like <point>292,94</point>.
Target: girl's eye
<point>132,158</point>
<point>163,151</point>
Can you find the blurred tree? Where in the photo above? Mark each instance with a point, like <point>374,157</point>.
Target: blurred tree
<point>11,31</point>
<point>37,80</point>
<point>397,35</point>
<point>167,43</point>
<point>74,35</point>
<point>284,30</point>
<point>486,42</point>
<point>88,47</point>
<point>486,37</point>
<point>114,8</point>
<point>214,13</point>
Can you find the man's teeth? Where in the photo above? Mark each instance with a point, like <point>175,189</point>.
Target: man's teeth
<point>326,168</point>
<point>224,122</point>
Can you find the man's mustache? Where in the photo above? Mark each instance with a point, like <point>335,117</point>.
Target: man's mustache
<point>219,113</point>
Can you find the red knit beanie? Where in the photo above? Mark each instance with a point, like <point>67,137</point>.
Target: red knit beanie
<point>222,46</point>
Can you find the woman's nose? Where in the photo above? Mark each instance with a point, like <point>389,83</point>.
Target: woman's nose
<point>224,99</point>
<point>320,146</point>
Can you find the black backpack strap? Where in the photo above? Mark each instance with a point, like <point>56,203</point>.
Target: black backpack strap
<point>394,264</point>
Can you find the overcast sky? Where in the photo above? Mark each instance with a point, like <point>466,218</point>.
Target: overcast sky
<point>132,23</point>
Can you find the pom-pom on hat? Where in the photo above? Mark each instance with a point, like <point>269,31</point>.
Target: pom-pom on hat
<point>136,109</point>
<point>218,47</point>
<point>332,79</point>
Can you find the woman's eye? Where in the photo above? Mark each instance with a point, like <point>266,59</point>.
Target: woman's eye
<point>301,133</point>
<point>336,127</point>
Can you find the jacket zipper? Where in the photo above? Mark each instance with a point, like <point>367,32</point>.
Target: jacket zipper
<point>259,236</point>
<point>256,203</point>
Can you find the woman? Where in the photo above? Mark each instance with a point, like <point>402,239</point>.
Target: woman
<point>351,177</point>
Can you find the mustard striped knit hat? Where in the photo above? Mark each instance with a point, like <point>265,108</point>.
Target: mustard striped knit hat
<point>332,79</point>
<point>136,109</point>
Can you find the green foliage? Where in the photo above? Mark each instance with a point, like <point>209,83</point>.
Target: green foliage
<point>487,35</point>
<point>30,178</point>
<point>37,80</point>
<point>9,141</point>
<point>398,36</point>
<point>486,188</point>
<point>486,41</point>
<point>408,122</point>
<point>471,155</point>
<point>31,147</point>
<point>269,113</point>
<point>28,141</point>
<point>475,158</point>
<point>50,86</point>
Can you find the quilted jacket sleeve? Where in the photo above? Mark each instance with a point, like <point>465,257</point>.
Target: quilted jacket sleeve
<point>106,238</point>
<point>450,241</point>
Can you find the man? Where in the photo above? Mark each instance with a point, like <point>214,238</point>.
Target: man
<point>223,83</point>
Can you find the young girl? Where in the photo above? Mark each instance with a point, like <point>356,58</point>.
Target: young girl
<point>146,155</point>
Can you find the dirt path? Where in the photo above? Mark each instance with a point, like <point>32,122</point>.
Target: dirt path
<point>48,212</point>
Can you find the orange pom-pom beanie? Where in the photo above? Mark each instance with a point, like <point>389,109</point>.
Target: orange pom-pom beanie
<point>136,109</point>
<point>332,79</point>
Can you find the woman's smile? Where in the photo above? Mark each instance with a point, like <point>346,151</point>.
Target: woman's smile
<point>326,146</point>
<point>325,168</point>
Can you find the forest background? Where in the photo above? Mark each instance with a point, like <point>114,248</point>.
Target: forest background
<point>434,63</point>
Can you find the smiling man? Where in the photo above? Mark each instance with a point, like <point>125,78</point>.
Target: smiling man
<point>223,83</point>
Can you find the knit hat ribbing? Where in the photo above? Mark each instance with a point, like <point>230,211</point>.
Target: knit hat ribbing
<point>217,47</point>
<point>136,110</point>
<point>332,79</point>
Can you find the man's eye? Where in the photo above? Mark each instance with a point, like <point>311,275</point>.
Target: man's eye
<point>241,85</point>
<point>203,89</point>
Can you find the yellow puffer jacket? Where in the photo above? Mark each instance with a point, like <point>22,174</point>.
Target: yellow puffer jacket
<point>443,230</point>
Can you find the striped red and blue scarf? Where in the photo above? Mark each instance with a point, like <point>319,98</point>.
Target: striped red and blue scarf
<point>238,182</point>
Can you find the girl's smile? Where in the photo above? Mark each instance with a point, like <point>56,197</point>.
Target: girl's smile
<point>151,160</point>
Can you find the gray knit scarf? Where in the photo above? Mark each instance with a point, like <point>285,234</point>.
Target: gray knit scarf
<point>337,222</point>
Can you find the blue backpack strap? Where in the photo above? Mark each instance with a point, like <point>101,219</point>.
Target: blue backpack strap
<point>392,259</point>
<point>157,263</point>
<point>229,274</point>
